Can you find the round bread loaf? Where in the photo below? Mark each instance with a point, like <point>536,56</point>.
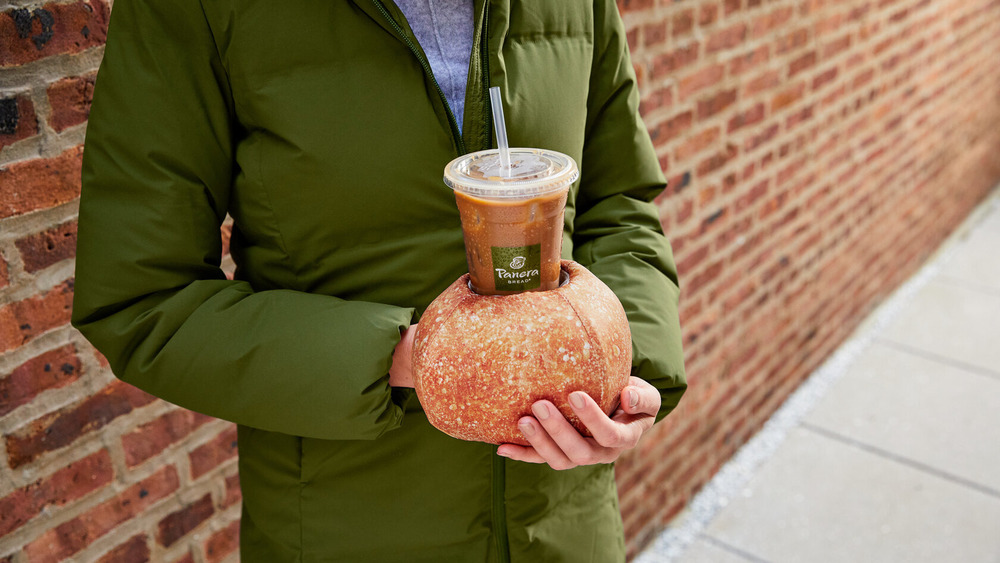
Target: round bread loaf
<point>480,361</point>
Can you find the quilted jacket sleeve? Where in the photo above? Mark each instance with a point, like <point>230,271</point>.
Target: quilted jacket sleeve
<point>150,296</point>
<point>617,232</point>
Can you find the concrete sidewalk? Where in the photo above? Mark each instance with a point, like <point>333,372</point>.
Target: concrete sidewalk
<point>890,451</point>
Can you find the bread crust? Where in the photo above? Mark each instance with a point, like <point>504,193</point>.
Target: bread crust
<point>480,361</point>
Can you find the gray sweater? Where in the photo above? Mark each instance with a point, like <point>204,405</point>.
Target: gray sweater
<point>444,30</point>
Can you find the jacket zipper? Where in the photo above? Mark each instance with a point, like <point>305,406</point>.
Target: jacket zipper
<point>452,122</point>
<point>484,58</point>
<point>499,508</point>
<point>499,463</point>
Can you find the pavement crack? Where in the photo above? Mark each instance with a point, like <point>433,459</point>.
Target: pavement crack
<point>732,549</point>
<point>913,464</point>
<point>938,358</point>
<point>969,285</point>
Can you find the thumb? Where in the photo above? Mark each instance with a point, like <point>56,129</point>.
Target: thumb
<point>641,399</point>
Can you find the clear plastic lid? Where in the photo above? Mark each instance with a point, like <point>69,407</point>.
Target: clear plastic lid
<point>532,172</point>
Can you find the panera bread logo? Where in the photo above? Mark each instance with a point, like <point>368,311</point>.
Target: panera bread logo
<point>517,268</point>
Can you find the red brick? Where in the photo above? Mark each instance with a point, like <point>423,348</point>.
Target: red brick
<point>787,97</point>
<point>684,211</point>
<point>53,29</point>
<point>135,550</point>
<point>836,46</point>
<point>766,81</point>
<point>174,526</point>
<point>829,24</point>
<point>726,38</point>
<point>792,41</point>
<point>708,14</point>
<point>64,427</point>
<point>65,485</point>
<point>693,284</point>
<point>44,249</point>
<point>765,24</point>
<point>859,12</point>
<point>700,79</point>
<point>730,7</point>
<point>51,370</point>
<point>17,120</point>
<point>4,277</point>
<point>654,33</point>
<point>23,320</point>
<point>665,64</point>
<point>233,492</point>
<point>222,543</point>
<point>672,127</point>
<point>187,558</point>
<point>696,143</point>
<point>798,117</point>
<point>824,78</point>
<point>802,63</point>
<point>706,195</point>
<point>752,195</point>
<point>763,137</point>
<point>687,263</point>
<point>208,456</point>
<point>716,103</point>
<point>659,98</point>
<point>70,100</point>
<point>41,183</point>
<point>751,116</point>
<point>717,161</point>
<point>747,61</point>
<point>70,537</point>
<point>153,437</point>
<point>632,38</point>
<point>683,23</point>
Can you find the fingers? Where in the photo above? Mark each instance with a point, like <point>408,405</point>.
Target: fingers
<point>615,433</point>
<point>639,397</point>
<point>552,437</point>
<point>556,442</point>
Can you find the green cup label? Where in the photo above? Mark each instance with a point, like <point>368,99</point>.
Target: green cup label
<point>517,268</point>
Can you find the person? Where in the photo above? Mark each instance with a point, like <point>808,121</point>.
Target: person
<point>322,130</point>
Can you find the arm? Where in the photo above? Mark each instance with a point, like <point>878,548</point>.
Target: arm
<point>617,230</point>
<point>617,235</point>
<point>158,166</point>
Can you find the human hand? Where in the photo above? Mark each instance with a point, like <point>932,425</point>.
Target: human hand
<point>401,371</point>
<point>556,442</point>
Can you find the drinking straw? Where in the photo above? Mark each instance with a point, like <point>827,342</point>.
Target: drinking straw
<point>501,130</point>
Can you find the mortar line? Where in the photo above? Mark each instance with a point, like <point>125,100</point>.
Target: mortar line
<point>902,460</point>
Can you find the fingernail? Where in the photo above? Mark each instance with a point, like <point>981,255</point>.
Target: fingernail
<point>576,398</point>
<point>633,398</point>
<point>540,410</point>
<point>526,429</point>
<point>503,453</point>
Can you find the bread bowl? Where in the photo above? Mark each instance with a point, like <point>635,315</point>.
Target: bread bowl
<point>480,361</point>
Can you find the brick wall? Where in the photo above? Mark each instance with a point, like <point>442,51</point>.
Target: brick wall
<point>91,469</point>
<point>818,152</point>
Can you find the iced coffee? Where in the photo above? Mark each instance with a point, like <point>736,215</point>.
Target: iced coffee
<point>512,217</point>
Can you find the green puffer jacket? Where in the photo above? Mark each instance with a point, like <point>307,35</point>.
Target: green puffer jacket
<point>318,126</point>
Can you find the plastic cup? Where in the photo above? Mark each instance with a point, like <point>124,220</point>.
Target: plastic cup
<point>512,220</point>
